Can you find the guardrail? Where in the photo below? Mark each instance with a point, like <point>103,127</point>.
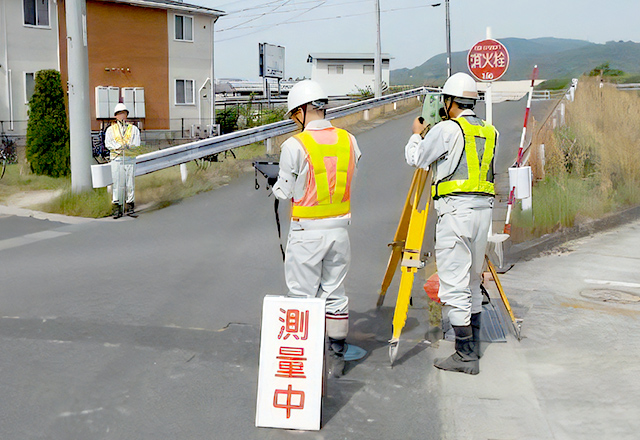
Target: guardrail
<point>546,95</point>
<point>168,157</point>
<point>628,87</point>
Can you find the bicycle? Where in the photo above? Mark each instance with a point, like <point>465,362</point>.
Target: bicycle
<point>7,150</point>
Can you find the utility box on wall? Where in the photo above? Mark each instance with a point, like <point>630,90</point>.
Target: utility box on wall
<point>106,99</point>
<point>138,102</point>
<point>133,98</point>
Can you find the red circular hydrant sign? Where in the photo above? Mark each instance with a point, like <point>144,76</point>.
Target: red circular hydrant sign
<point>488,60</point>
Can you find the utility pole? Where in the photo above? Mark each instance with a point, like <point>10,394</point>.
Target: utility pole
<point>79,108</point>
<point>377,66</point>
<point>212,101</point>
<point>448,38</point>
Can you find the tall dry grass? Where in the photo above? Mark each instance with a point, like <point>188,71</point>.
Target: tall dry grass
<point>606,125</point>
<point>591,164</point>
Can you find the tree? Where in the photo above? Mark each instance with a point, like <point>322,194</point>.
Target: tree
<point>604,70</point>
<point>47,129</point>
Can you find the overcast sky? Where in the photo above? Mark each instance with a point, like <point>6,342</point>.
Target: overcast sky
<point>412,30</point>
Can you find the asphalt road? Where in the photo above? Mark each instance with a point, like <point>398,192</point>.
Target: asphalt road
<point>149,328</point>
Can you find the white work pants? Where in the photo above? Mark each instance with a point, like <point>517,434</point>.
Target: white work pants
<point>123,175</point>
<point>461,242</point>
<point>316,264</point>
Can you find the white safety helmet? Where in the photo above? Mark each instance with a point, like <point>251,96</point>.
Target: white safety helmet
<point>120,107</point>
<point>462,87</point>
<point>305,92</point>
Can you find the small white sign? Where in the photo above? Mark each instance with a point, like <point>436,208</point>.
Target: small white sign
<point>520,179</point>
<point>291,363</point>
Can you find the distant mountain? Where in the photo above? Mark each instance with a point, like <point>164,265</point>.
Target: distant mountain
<point>555,57</point>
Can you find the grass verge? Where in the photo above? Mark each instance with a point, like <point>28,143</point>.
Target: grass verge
<point>157,190</point>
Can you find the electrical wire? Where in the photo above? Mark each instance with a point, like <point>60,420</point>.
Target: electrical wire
<point>257,17</point>
<point>230,14</point>
<point>240,27</point>
<point>278,24</point>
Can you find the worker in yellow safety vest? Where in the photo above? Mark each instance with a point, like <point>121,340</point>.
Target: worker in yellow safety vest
<point>461,150</point>
<point>119,137</point>
<point>317,169</point>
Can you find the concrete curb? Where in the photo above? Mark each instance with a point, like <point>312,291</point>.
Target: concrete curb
<point>40,215</point>
<point>533,248</point>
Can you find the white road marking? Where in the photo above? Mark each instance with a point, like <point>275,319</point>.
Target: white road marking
<point>613,283</point>
<point>81,413</point>
<point>30,238</point>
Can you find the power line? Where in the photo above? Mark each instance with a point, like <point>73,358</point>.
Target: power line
<point>257,17</point>
<point>278,24</point>
<point>265,5</point>
<point>239,27</point>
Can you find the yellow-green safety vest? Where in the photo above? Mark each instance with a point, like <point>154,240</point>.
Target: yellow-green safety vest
<point>478,178</point>
<point>117,134</point>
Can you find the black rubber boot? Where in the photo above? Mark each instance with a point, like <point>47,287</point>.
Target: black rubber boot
<point>475,330</point>
<point>335,360</point>
<point>117,210</point>
<point>129,210</point>
<point>464,360</point>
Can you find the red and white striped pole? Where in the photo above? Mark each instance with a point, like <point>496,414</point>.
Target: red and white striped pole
<point>507,222</point>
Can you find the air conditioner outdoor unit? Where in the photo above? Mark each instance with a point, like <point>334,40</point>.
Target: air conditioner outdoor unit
<point>214,130</point>
<point>195,131</point>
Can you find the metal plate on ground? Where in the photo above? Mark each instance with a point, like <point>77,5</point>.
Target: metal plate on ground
<point>491,329</point>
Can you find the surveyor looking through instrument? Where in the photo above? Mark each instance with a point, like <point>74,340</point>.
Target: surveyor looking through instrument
<point>120,137</point>
<point>317,169</point>
<point>461,152</point>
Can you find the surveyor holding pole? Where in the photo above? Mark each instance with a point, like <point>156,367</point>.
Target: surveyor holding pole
<point>317,168</point>
<point>120,137</point>
<point>461,151</point>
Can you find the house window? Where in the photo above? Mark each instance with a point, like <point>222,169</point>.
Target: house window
<point>184,92</point>
<point>36,12</point>
<point>336,69</point>
<point>184,28</point>
<point>367,69</point>
<point>29,85</point>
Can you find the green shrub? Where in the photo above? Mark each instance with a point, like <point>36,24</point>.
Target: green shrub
<point>554,84</point>
<point>270,115</point>
<point>47,130</point>
<point>228,119</point>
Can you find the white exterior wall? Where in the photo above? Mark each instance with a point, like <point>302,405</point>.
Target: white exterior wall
<point>23,49</point>
<point>350,80</point>
<point>190,61</point>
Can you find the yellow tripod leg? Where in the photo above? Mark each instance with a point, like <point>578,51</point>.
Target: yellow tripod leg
<point>417,185</point>
<point>410,264</point>
<point>515,322</point>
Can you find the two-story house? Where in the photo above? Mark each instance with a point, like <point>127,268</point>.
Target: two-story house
<point>156,56</point>
<point>28,43</point>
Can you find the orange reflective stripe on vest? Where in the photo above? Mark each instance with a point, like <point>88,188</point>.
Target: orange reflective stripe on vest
<point>330,171</point>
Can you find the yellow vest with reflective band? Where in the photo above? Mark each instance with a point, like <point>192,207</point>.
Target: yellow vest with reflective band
<point>117,133</point>
<point>477,180</point>
<point>328,203</point>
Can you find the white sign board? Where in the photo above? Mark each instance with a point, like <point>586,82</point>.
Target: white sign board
<point>291,363</point>
<point>520,179</point>
<point>271,61</point>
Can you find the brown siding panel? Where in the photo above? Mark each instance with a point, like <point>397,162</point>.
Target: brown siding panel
<point>135,40</point>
